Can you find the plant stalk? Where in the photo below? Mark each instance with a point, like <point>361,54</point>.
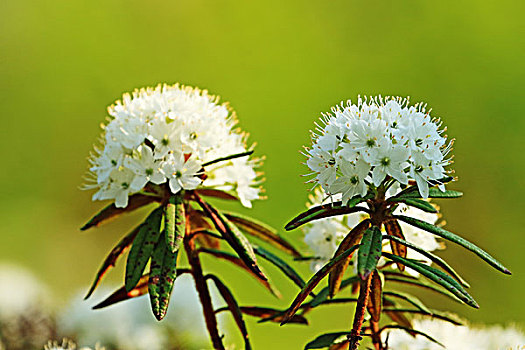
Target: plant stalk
<point>203,291</point>
<point>355,335</point>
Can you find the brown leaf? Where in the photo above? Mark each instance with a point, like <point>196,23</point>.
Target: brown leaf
<point>263,232</point>
<point>272,315</point>
<point>376,297</point>
<point>134,202</point>
<point>234,308</point>
<point>217,194</point>
<point>238,262</point>
<point>393,228</point>
<point>314,281</point>
<point>351,239</point>
<point>120,294</point>
<point>399,318</point>
<point>111,259</point>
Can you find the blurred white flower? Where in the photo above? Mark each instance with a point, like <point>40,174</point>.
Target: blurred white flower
<point>165,134</point>
<point>130,325</point>
<point>456,337</point>
<point>386,136</point>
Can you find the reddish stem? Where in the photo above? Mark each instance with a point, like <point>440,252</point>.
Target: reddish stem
<point>355,335</point>
<point>203,291</point>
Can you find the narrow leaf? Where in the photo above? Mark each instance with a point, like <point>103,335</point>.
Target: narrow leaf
<point>433,192</point>
<point>142,248</point>
<point>121,294</point>
<point>134,202</point>
<point>322,296</point>
<point>418,203</point>
<point>351,239</point>
<point>233,236</point>
<point>174,221</point>
<point>431,314</point>
<point>234,308</point>
<point>314,281</point>
<point>273,315</point>
<point>423,284</point>
<point>325,340</point>
<point>438,231</point>
<point>281,264</point>
<point>375,300</point>
<point>233,156</point>
<point>411,331</point>
<point>399,318</point>
<point>321,211</point>
<point>393,228</point>
<point>434,275</point>
<point>434,258</point>
<point>238,262</point>
<point>369,252</point>
<point>408,298</point>
<point>210,192</point>
<point>262,231</point>
<point>358,199</point>
<point>112,258</point>
<point>163,271</point>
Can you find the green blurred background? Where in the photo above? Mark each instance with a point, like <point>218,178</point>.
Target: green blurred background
<point>279,63</point>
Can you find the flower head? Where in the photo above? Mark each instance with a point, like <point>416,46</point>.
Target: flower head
<point>169,134</point>
<point>375,140</point>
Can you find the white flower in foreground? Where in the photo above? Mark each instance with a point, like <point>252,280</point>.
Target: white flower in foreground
<point>456,337</point>
<point>166,134</point>
<point>394,141</point>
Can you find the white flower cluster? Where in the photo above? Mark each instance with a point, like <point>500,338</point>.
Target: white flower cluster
<point>166,134</point>
<point>324,235</point>
<point>362,144</point>
<point>457,337</point>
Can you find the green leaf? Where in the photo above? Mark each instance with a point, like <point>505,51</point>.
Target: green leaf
<point>418,203</point>
<point>351,239</point>
<point>438,231</point>
<point>352,202</point>
<point>437,276</point>
<point>163,271</point>
<point>369,252</point>
<point>233,156</point>
<point>421,283</point>
<point>234,308</point>
<point>135,201</point>
<point>112,258</point>
<point>410,299</point>
<point>262,231</point>
<point>314,281</point>
<point>411,331</point>
<point>322,296</point>
<point>142,248</point>
<point>281,264</point>
<point>121,294</point>
<point>325,340</point>
<point>434,258</point>
<point>174,221</point>
<point>433,192</point>
<point>238,262</point>
<point>233,236</point>
<point>319,212</point>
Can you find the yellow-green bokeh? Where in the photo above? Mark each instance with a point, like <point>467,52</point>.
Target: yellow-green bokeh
<point>279,63</point>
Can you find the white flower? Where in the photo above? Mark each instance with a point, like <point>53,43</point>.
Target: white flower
<point>352,180</point>
<point>182,174</point>
<point>395,140</point>
<point>456,337</point>
<point>145,167</point>
<point>150,129</point>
